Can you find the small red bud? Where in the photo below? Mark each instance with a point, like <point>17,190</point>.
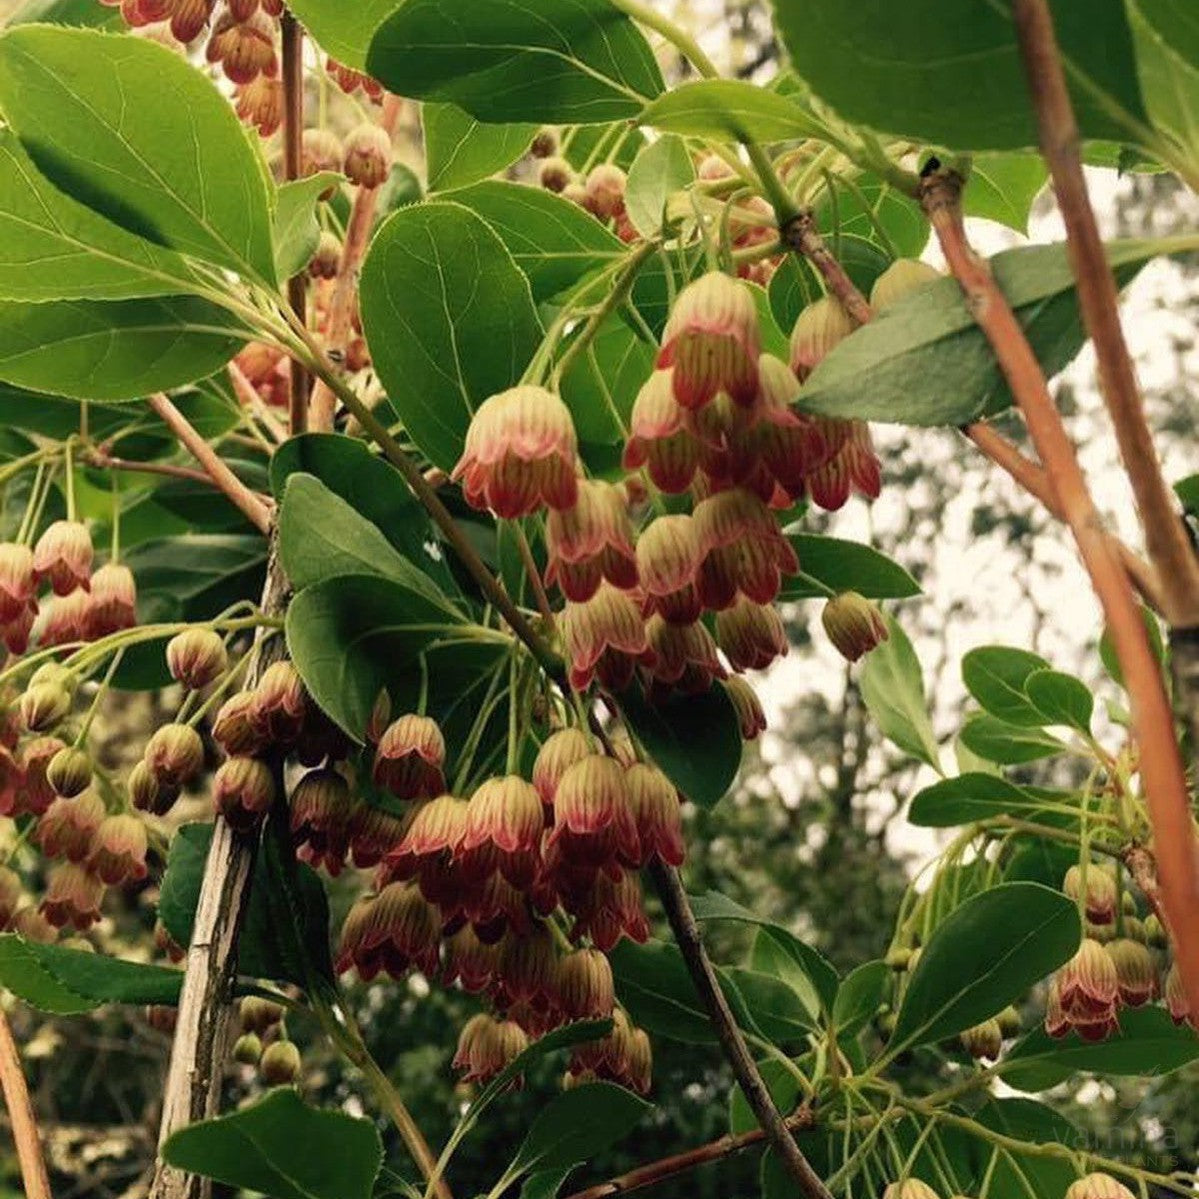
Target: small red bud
<point>175,755</point>
<point>367,156</point>
<point>326,262</point>
<point>983,1040</point>
<point>243,790</point>
<point>280,1064</point>
<point>69,772</point>
<point>854,625</point>
<point>197,658</point>
<point>44,705</point>
<point>555,174</point>
<point>247,1049</point>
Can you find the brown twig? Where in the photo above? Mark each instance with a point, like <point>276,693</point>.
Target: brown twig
<point>802,236</point>
<point>293,134</point>
<point>775,1128</point>
<point>1161,766</point>
<point>20,1113</point>
<point>103,461</point>
<point>681,1163</point>
<point>339,326</point>
<point>1143,868</point>
<point>1032,477</point>
<point>1166,539</point>
<point>214,466</point>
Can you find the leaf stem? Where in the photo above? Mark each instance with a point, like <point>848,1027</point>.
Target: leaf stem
<point>21,1117</point>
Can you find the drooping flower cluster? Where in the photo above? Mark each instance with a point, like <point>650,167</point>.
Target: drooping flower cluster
<point>243,41</point>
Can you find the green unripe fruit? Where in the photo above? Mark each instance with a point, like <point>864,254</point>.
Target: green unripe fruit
<point>280,1064</point>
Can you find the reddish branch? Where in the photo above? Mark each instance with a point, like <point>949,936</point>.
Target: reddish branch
<point>253,507</point>
<point>343,303</point>
<point>1166,538</point>
<point>680,1163</point>
<point>248,395</point>
<point>804,238</point>
<point>20,1114</point>
<point>293,134</point>
<point>1161,763</point>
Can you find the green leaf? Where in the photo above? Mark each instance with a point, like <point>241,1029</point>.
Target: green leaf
<point>663,168</point>
<point>65,982</point>
<point>869,204</point>
<point>845,566</point>
<point>267,945</point>
<point>770,1005</point>
<point>281,1147</point>
<point>1061,698</point>
<point>991,950</point>
<point>695,739</point>
<point>602,385</point>
<point>730,108</point>
<point>321,537</point>
<point>297,229</point>
<point>554,242</point>
<point>1007,744</point>
<point>1149,1044</point>
<point>1107,647</point>
<point>995,676</point>
<point>576,1125</point>
<point>344,30</point>
<point>449,319</point>
<point>348,636</point>
<point>373,488</point>
<point>460,150</point>
<point>952,76</point>
<point>1168,68</point>
<point>794,285</point>
<point>654,985</point>
<point>970,797</point>
<point>116,349</point>
<point>66,12</point>
<point>893,690</point>
<point>136,133</point>
<point>926,362</point>
<point>859,997</point>
<point>1187,491</point>
<point>519,60</point>
<point>806,970</point>
<point>54,248</point>
<point>1002,188</point>
<point>1024,1120</point>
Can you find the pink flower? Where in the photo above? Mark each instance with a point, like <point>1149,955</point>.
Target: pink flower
<point>591,542</point>
<point>63,557</point>
<point>660,437</point>
<point>669,553</point>
<point>410,758</point>
<point>605,638</point>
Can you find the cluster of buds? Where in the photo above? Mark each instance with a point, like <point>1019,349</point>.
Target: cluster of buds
<point>263,1044</point>
<point>83,606</point>
<point>243,41</point>
<point>600,192</point>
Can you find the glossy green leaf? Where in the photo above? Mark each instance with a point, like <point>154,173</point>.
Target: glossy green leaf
<point>321,537</point>
<point>777,952</point>
<point>449,319</point>
<point>663,168</point>
<point>995,676</point>
<point>1002,187</point>
<point>283,1148</point>
<point>695,739</point>
<point>784,1090</point>
<point>543,61</point>
<point>115,349</point>
<point>1149,1044</point>
<point>602,384</point>
<point>267,946</point>
<point>874,211</point>
<point>730,108</point>
<point>925,361</point>
<point>970,797</point>
<point>1008,744</point>
<point>1025,1120</point>
<point>859,997</point>
<point>460,150</point>
<point>297,229</point>
<point>554,242</point>
<point>62,981</point>
<point>845,566</point>
<point>770,1005</point>
<point>987,954</point>
<point>893,689</point>
<point>373,488</point>
<point>348,636</point>
<point>344,30</point>
<point>653,984</point>
<point>136,133</point>
<point>952,76</point>
<point>577,1124</point>
<point>1061,698</point>
<point>54,248</point>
